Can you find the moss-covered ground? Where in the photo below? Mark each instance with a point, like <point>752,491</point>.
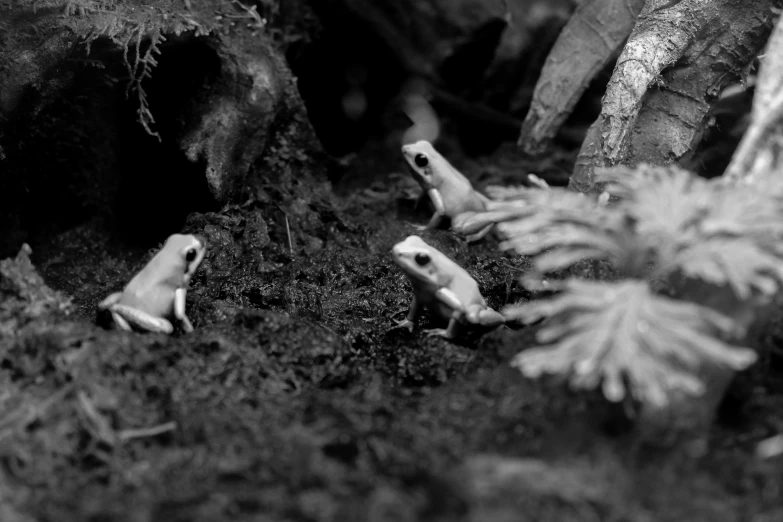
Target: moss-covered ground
<point>292,400</point>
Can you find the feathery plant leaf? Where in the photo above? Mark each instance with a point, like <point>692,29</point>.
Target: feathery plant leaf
<point>626,339</point>
<point>501,193</point>
<point>743,210</point>
<point>668,221</point>
<point>664,202</point>
<point>735,262</point>
<point>666,224</point>
<point>561,227</point>
<point>726,235</point>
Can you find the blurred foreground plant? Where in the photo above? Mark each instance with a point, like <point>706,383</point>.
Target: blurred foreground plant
<point>714,248</point>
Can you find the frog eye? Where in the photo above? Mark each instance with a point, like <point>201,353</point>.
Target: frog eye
<point>421,160</point>
<point>421,259</point>
<point>190,255</point>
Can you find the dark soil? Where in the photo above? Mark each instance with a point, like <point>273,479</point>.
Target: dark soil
<point>292,400</point>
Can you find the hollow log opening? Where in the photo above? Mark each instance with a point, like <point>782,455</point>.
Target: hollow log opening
<point>158,189</point>
<point>83,154</point>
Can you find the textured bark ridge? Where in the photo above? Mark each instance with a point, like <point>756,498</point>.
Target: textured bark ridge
<point>677,60</point>
<point>593,36</point>
<point>760,153</point>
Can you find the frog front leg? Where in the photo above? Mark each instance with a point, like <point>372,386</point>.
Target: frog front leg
<point>413,313</point>
<point>124,314</point>
<point>440,210</point>
<point>449,332</point>
<point>179,309</point>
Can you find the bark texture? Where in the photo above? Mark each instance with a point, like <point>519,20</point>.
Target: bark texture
<point>233,123</point>
<point>760,152</point>
<point>675,64</point>
<point>592,37</point>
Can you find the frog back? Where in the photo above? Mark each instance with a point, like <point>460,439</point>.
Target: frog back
<point>458,193</point>
<point>459,281</point>
<point>152,290</point>
<point>459,197</point>
<point>467,292</point>
<point>467,289</point>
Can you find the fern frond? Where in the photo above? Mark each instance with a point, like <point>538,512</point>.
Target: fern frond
<point>668,221</point>
<point>541,205</point>
<point>501,193</point>
<point>725,235</point>
<point>621,334</point>
<point>560,245</point>
<point>141,68</point>
<point>471,222</point>
<point>744,210</point>
<point>561,228</point>
<point>735,262</point>
<point>663,201</point>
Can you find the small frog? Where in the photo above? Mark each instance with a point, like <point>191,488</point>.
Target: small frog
<point>443,287</point>
<point>159,290</point>
<point>449,191</point>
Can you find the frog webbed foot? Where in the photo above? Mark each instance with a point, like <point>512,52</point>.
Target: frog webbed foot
<point>405,323</point>
<point>446,333</point>
<point>187,326</point>
<point>442,332</point>
<point>418,228</point>
<point>413,313</point>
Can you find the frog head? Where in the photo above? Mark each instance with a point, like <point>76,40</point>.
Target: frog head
<point>418,260</point>
<point>422,158</point>
<point>185,253</point>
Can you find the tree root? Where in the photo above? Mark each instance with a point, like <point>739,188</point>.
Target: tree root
<point>760,151</point>
<point>593,36</point>
<point>676,62</point>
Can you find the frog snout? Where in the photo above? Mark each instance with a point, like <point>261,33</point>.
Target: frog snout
<point>397,254</point>
<point>201,239</point>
